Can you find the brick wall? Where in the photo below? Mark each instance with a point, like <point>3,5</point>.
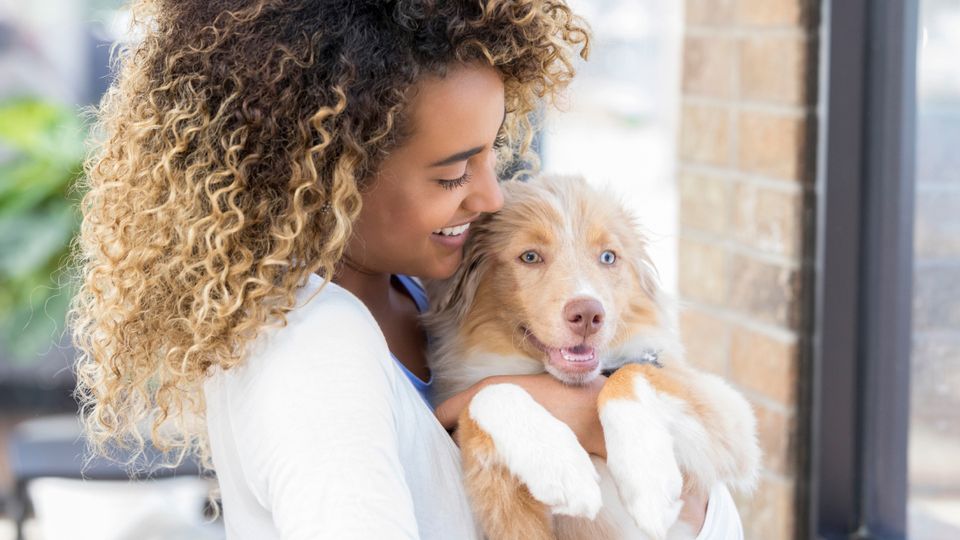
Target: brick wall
<point>746,173</point>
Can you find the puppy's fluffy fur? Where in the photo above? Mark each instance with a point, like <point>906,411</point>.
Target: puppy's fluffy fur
<point>559,281</point>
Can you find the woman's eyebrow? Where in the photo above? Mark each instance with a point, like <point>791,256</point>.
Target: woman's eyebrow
<point>460,156</point>
<point>466,154</point>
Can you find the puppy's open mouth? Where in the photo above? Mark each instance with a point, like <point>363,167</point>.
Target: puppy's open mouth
<point>579,358</point>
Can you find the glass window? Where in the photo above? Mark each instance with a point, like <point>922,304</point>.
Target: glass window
<point>934,444</point>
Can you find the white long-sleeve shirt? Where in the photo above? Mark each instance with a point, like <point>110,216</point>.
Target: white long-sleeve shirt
<point>320,434</point>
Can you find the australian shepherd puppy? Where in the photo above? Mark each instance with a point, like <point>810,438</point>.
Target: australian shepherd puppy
<point>559,281</point>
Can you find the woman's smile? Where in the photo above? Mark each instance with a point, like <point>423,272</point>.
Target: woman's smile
<point>452,237</point>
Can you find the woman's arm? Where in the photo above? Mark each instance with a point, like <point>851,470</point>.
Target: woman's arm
<point>574,406</point>
<point>317,437</point>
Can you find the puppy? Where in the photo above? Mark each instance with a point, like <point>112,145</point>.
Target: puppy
<point>559,281</point>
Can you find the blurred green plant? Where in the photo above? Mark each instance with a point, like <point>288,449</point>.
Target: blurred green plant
<point>41,156</point>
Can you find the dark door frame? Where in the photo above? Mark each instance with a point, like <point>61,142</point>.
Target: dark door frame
<point>862,295</point>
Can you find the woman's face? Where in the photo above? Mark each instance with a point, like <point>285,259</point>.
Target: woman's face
<point>441,178</point>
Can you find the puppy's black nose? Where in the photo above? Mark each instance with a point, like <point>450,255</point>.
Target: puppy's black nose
<point>585,316</point>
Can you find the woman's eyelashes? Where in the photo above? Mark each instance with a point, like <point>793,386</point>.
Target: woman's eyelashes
<point>456,182</point>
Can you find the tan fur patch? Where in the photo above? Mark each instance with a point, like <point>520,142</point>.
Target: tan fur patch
<point>571,528</point>
<point>670,380</point>
<point>667,379</point>
<point>503,505</point>
<point>619,385</point>
<point>482,329</point>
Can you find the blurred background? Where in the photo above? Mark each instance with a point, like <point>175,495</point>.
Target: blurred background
<point>54,64</point>
<point>703,113</point>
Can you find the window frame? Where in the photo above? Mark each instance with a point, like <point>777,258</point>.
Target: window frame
<point>859,358</point>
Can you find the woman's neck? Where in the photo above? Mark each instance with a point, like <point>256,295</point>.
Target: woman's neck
<point>393,309</point>
<point>374,289</point>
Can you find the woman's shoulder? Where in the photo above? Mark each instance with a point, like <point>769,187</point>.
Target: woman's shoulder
<point>325,312</point>
<point>328,331</point>
<point>329,307</point>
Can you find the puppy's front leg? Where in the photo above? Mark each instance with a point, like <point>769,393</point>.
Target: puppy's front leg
<point>521,464</point>
<point>712,424</point>
<point>640,452</point>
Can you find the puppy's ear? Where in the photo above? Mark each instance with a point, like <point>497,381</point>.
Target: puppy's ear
<point>451,298</point>
<point>648,328</point>
<point>644,269</point>
<point>652,300</point>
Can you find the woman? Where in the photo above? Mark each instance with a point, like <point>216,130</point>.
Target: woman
<point>271,172</point>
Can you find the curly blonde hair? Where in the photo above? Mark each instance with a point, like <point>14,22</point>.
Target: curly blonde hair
<point>234,147</point>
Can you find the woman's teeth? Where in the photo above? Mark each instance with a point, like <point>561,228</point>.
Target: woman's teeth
<point>453,231</point>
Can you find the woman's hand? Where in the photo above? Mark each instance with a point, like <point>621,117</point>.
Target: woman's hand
<point>575,406</point>
<point>694,510</point>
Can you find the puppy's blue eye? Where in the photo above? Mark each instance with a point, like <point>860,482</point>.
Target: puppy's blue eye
<point>531,257</point>
<point>608,257</point>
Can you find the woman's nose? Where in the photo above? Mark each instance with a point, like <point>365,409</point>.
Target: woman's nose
<point>486,195</point>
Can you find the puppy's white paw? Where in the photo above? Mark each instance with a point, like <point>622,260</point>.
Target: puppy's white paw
<point>540,450</point>
<point>654,508</point>
<point>568,484</point>
<point>641,459</point>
